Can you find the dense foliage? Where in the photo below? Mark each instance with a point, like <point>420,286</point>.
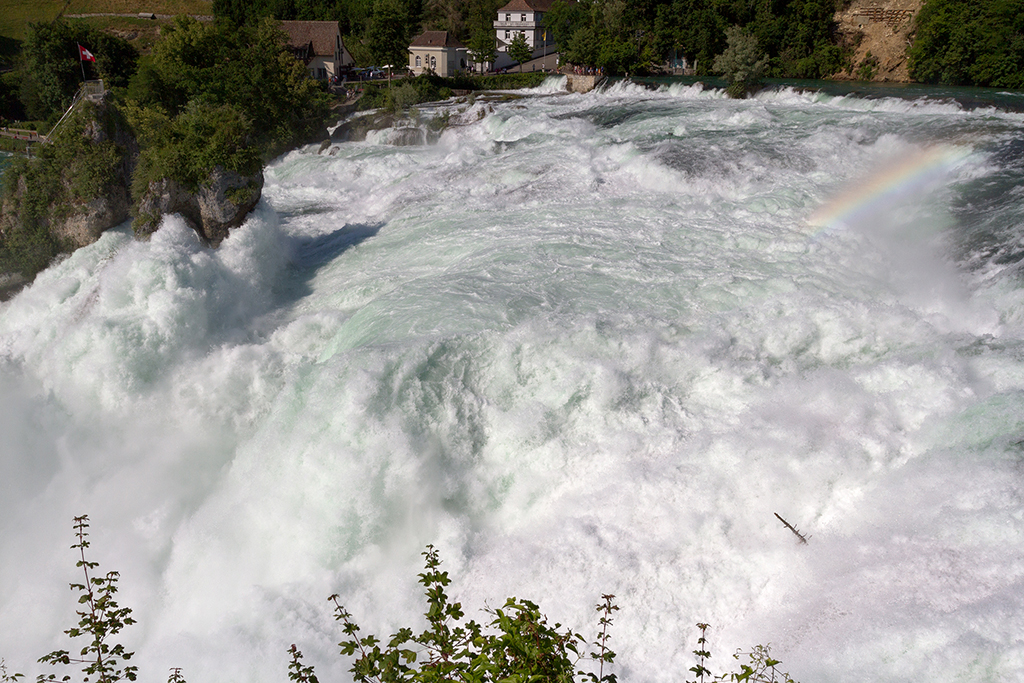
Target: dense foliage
<point>52,70</point>
<point>187,146</point>
<point>389,33</point>
<point>970,42</point>
<point>245,68</point>
<point>69,173</point>
<point>620,36</point>
<point>742,64</point>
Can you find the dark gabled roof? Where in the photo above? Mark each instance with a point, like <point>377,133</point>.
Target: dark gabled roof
<point>527,6</point>
<point>435,39</point>
<point>322,35</point>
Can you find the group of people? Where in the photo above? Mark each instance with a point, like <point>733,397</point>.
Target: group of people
<point>588,70</point>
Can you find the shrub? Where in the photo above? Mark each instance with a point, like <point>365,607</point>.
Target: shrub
<point>742,64</point>
<point>403,97</point>
<point>100,620</point>
<point>519,645</point>
<point>867,67</point>
<point>760,666</point>
<point>188,147</point>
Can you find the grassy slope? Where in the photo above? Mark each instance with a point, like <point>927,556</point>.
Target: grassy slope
<point>15,15</point>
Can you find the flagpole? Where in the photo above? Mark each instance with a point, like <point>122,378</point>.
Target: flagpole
<point>81,63</point>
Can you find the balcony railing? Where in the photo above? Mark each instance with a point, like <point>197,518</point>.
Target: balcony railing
<point>516,24</point>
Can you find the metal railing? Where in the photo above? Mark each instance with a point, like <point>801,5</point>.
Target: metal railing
<point>88,89</point>
<point>93,88</point>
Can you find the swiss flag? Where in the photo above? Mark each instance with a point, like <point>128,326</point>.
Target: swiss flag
<point>85,55</point>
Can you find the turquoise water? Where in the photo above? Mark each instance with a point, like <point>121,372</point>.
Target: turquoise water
<point>584,344</point>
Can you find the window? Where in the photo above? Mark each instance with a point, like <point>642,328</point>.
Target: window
<point>418,61</point>
<point>507,36</point>
<point>522,17</point>
<point>508,17</point>
<point>433,63</point>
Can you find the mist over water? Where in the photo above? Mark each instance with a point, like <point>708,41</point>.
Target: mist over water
<point>583,344</point>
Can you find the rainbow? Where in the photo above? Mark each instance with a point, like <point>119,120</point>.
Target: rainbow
<point>910,174</point>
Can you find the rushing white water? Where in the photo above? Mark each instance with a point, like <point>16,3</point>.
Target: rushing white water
<point>584,344</point>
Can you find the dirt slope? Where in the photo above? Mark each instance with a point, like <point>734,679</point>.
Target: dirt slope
<point>885,30</point>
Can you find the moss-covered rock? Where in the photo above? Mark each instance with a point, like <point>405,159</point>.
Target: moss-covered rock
<point>74,189</point>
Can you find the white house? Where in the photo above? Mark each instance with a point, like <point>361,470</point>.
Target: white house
<point>523,16</point>
<point>437,51</point>
<point>318,45</point>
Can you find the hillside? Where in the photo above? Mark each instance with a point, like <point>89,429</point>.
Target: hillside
<point>16,15</point>
<point>885,31</point>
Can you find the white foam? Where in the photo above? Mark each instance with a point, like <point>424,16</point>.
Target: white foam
<point>585,344</point>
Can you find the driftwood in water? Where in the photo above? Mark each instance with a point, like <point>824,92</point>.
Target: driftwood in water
<point>796,532</point>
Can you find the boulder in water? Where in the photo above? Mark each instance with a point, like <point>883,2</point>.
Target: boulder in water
<point>220,203</point>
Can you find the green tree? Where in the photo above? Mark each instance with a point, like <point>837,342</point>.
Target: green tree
<point>190,145</point>
<point>480,16</point>
<point>445,15</point>
<point>742,64</point>
<point>483,47</point>
<point>519,49</point>
<point>970,43</point>
<point>388,34</point>
<point>564,18</point>
<point>52,71</point>
<point>247,68</point>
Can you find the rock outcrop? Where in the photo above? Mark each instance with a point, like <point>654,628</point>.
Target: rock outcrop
<point>81,186</point>
<point>76,220</point>
<point>220,203</point>
<point>90,219</point>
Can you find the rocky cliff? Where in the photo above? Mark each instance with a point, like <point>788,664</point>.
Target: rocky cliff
<point>882,31</point>
<point>80,185</point>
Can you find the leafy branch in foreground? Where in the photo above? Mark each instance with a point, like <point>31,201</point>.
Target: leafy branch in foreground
<point>101,618</point>
<point>604,654</point>
<point>760,666</point>
<point>518,644</point>
<point>6,677</point>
